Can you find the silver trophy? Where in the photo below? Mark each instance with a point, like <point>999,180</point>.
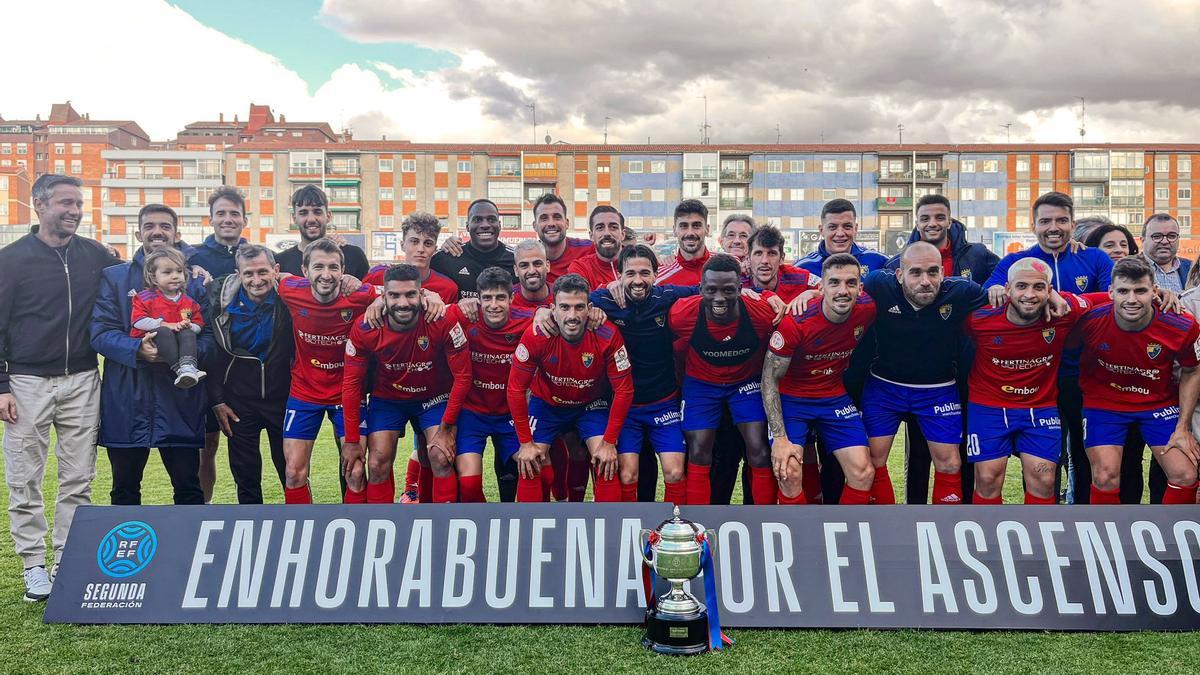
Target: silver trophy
<point>678,623</point>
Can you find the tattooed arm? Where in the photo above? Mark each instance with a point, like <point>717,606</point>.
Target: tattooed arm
<point>782,449</point>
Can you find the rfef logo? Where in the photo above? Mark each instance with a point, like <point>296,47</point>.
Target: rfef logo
<point>127,549</point>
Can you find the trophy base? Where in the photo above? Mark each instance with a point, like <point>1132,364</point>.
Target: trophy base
<point>676,634</point>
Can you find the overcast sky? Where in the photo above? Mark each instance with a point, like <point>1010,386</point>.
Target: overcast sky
<point>447,70</point>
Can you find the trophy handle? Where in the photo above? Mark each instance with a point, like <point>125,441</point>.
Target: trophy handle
<point>643,539</point>
<point>711,536</point>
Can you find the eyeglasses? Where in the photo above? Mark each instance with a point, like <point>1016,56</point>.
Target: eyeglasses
<point>1171,237</point>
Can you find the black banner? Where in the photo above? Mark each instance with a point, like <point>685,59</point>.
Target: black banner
<point>965,567</point>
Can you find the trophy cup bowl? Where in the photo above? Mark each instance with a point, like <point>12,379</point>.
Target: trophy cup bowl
<point>678,625</point>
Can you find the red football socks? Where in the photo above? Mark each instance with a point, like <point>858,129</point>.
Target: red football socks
<point>300,495</point>
<point>560,460</point>
<point>412,475</point>
<point>985,501</point>
<point>629,492</point>
<point>699,487</point>
<point>947,488</point>
<point>1099,496</point>
<point>1180,495</point>
<point>881,489</point>
<point>425,486</point>
<point>854,496</point>
<point>529,490</point>
<point>470,490</point>
<point>547,482</point>
<point>763,485</point>
<point>352,497</point>
<point>676,493</point>
<point>608,489</point>
<point>784,499</point>
<point>578,471</point>
<point>383,492</point>
<point>445,489</point>
<point>810,478</point>
<point>1034,499</point>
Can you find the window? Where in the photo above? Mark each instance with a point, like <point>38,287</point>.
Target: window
<point>634,195</point>
<point>76,148</point>
<point>1185,222</point>
<point>603,195</point>
<point>658,195</point>
<point>387,221</point>
<point>504,167</point>
<point>1023,194</point>
<point>387,194</point>
<point>464,194</point>
<point>1185,193</point>
<point>441,166</point>
<point>266,222</point>
<point>774,166</point>
<point>991,221</point>
<point>969,221</point>
<point>386,165</point>
<point>1162,165</point>
<point>1045,165</point>
<point>966,194</point>
<point>797,194</point>
<point>242,165</point>
<point>133,198</point>
<point>408,165</point>
<point>851,194</point>
<point>266,165</point>
<point>441,194</point>
<point>635,167</point>
<point>1184,165</point>
<point>852,166</point>
<point>343,194</point>
<point>828,194</point>
<point>504,192</point>
<point>991,165</point>
<point>991,194</point>
<point>602,168</point>
<point>1022,165</point>
<point>306,162</point>
<point>1161,194</point>
<point>408,193</point>
<point>60,148</point>
<point>76,166</point>
<point>581,194</point>
<point>5,148</point>
<point>1022,220</point>
<point>829,166</point>
<point>535,193</point>
<point>774,194</point>
<point>266,193</point>
<point>464,166</point>
<point>60,166</point>
<point>966,166</point>
<point>658,166</point>
<point>796,166</point>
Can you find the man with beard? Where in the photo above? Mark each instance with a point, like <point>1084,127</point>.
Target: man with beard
<point>580,380</point>
<point>767,271</point>
<point>735,235</point>
<point>531,269</point>
<point>550,222</point>
<point>1130,349</point>
<point>482,251</point>
<point>722,336</point>
<point>1011,409</point>
<point>599,268</point>
<point>1075,271</point>
<point>802,386</point>
<point>691,230</point>
<point>311,216</point>
<point>322,319</point>
<point>422,375</point>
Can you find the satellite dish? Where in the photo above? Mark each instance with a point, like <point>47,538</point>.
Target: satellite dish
<point>548,139</point>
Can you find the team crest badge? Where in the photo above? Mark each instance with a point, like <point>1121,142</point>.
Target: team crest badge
<point>346,314</point>
<point>660,320</point>
<point>509,337</point>
<point>945,310</point>
<point>588,357</point>
<point>1081,282</point>
<point>423,342</point>
<point>966,274</point>
<point>1153,350</point>
<point>1048,335</point>
<point>858,333</point>
<point>863,270</point>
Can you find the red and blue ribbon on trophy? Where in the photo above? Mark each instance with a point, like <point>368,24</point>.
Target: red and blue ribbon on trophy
<point>717,639</point>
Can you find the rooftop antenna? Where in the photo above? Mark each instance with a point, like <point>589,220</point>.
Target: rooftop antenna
<point>606,119</point>
<point>533,108</point>
<point>900,130</point>
<point>1007,132</point>
<point>704,127</point>
<point>778,135</point>
<point>1082,117</point>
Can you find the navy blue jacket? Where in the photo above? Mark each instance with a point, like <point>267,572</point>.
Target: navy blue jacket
<point>648,338</point>
<point>971,261</point>
<point>216,258</point>
<point>920,346</point>
<point>140,407</point>
<point>868,259</point>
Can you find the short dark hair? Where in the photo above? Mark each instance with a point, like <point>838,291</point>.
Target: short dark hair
<point>1132,268</point>
<point>571,283</point>
<point>477,202</point>
<point>400,272</point>
<point>605,208</point>
<point>722,262</point>
<point>45,184</point>
<point>547,199</point>
<point>837,206</point>
<point>768,237</point>
<point>689,206</point>
<point>1158,217</point>
<point>839,260</point>
<point>933,199</point>
<point>228,193</point>
<point>637,251</point>
<point>1054,199</point>
<point>1099,232</point>
<point>157,208</point>
<point>309,195</point>
<point>326,245</point>
<point>493,278</point>
<point>421,222</point>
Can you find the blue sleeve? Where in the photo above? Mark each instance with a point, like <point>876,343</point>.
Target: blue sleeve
<point>110,337</point>
<point>1000,274</point>
<point>206,344</point>
<point>678,292</point>
<point>602,299</point>
<point>1104,266</point>
<point>893,263</point>
<point>874,284</point>
<point>971,293</point>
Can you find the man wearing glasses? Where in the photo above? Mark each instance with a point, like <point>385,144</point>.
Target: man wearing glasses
<point>1160,243</point>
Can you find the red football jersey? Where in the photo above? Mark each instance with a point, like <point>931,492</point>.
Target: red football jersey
<point>820,350</point>
<point>680,272</point>
<point>599,273</point>
<point>571,374</point>
<point>441,284</point>
<point>519,301</point>
<point>491,360</point>
<point>576,249</point>
<point>1017,366</point>
<point>320,333</point>
<point>792,282</point>
<point>685,314</point>
<point>422,363</point>
<point>152,304</point>
<point>1131,371</point>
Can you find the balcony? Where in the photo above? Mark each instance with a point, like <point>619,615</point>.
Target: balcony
<point>709,173</point>
<point>935,175</point>
<point>306,169</point>
<point>921,175</point>
<point>737,202</point>
<point>1129,201</point>
<point>738,176</point>
<point>893,176</point>
<point>1078,174</point>
<point>1137,173</point>
<point>894,203</point>
<point>1090,202</point>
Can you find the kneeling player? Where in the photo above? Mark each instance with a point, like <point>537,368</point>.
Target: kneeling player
<point>802,386</point>
<point>571,375</point>
<point>423,373</point>
<point>1125,374</point>
<point>492,337</point>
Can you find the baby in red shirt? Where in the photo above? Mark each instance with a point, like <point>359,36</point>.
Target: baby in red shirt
<point>165,310</point>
